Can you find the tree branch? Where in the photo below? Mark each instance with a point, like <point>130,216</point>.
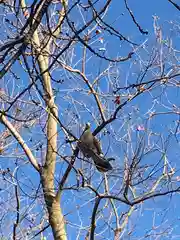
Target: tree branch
<point>20,140</point>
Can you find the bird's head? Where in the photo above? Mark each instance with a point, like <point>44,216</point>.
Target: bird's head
<point>88,126</point>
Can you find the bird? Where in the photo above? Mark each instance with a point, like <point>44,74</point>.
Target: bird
<point>91,148</point>
<point>88,143</point>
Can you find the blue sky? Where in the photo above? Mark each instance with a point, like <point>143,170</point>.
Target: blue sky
<point>143,11</point>
<point>72,98</point>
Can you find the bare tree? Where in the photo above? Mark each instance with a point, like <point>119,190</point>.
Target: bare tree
<point>63,64</point>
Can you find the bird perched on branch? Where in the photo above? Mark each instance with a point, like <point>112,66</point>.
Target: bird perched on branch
<point>91,148</point>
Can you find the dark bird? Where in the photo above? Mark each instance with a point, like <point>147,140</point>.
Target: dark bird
<point>91,148</point>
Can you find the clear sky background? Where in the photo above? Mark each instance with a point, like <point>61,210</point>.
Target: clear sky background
<point>72,97</point>
<point>161,211</point>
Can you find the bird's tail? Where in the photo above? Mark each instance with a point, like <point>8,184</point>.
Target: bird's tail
<point>110,159</point>
<point>102,164</point>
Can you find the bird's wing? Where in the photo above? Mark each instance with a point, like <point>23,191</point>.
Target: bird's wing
<point>86,143</point>
<point>97,145</point>
<point>84,149</point>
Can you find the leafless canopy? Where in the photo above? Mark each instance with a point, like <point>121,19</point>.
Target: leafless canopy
<point>64,63</point>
